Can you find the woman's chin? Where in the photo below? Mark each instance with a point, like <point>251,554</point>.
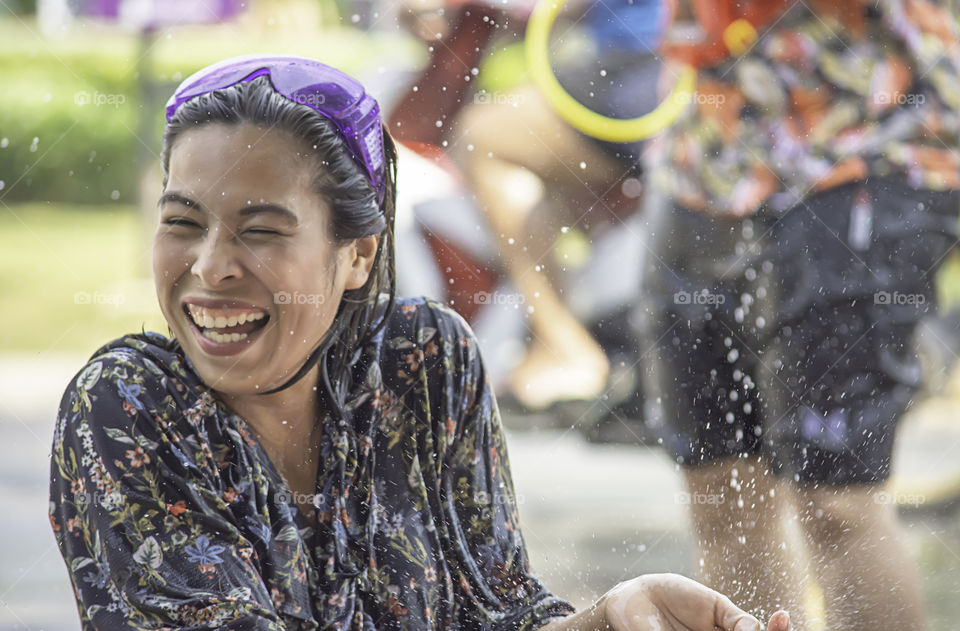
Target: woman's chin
<point>227,367</point>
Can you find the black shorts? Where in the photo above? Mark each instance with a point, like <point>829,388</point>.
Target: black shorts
<point>790,334</point>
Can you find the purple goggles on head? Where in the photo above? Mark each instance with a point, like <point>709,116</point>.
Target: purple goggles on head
<point>335,95</point>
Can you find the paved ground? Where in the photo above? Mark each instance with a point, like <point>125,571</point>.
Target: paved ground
<point>593,515</point>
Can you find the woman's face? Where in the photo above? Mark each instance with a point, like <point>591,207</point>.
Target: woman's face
<point>247,273</point>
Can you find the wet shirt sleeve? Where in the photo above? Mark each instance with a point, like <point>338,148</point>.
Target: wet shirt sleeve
<point>136,514</point>
<point>497,589</point>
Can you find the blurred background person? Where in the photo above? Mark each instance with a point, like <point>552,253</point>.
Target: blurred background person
<point>812,194</point>
<point>578,183</point>
<point>545,189</point>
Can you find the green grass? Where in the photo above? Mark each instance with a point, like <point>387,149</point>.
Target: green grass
<point>73,278</point>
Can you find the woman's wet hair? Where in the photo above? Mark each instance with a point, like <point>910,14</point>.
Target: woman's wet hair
<point>353,208</point>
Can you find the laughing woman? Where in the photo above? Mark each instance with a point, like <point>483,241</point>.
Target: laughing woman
<point>304,451</point>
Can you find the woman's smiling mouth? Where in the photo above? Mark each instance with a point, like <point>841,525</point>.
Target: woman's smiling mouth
<point>222,330</point>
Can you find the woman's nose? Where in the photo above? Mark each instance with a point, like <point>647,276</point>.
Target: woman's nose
<point>217,258</point>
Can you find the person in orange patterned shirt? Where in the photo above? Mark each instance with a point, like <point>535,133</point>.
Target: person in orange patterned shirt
<point>810,194</point>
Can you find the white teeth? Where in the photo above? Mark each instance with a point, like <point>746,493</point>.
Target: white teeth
<point>223,339</point>
<point>211,319</point>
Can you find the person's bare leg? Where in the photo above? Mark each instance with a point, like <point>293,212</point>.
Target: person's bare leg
<point>563,360</point>
<point>739,513</point>
<point>868,578</point>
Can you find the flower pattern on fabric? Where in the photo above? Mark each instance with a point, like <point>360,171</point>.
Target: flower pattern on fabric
<point>820,100</point>
<point>169,513</point>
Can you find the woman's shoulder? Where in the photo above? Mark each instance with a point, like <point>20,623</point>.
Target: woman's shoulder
<point>420,317</point>
<point>148,350</point>
<point>137,410</point>
<point>428,342</point>
<point>139,372</point>
<point>147,359</point>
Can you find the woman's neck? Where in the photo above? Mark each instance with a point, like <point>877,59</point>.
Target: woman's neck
<point>286,423</point>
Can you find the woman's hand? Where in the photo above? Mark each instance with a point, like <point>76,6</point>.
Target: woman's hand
<point>668,602</point>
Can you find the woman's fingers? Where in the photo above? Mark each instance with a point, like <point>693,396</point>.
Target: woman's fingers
<point>690,604</point>
<point>696,606</point>
<point>779,622</point>
<point>729,617</point>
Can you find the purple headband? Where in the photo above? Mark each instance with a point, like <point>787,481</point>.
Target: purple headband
<point>337,96</point>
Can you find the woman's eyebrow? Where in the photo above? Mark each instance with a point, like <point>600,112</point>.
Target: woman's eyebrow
<point>177,198</point>
<point>275,209</point>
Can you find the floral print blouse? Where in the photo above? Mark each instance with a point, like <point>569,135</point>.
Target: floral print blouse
<point>821,99</point>
<point>169,514</point>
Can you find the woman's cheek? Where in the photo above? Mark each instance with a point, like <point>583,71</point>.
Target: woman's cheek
<point>169,265</point>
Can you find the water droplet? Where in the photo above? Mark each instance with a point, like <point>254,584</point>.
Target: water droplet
<point>115,195</point>
<point>34,144</point>
<point>4,142</point>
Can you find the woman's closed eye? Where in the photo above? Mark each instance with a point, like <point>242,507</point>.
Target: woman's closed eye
<point>260,231</point>
<point>181,222</point>
<point>184,222</point>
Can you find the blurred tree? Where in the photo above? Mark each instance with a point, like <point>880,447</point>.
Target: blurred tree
<point>21,7</point>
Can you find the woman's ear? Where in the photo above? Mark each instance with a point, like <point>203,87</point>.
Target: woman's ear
<point>360,257</point>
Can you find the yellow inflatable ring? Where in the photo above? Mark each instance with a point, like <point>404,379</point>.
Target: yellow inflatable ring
<point>537,41</point>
